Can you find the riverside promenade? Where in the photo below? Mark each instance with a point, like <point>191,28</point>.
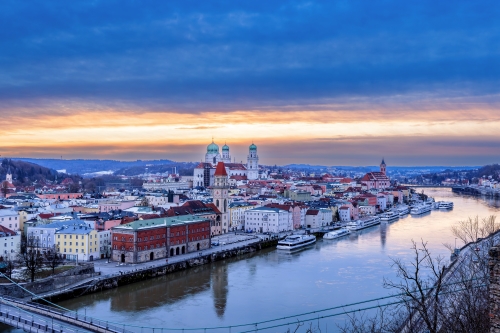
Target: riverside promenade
<point>112,274</point>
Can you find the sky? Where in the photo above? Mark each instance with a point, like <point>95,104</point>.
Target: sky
<point>318,82</point>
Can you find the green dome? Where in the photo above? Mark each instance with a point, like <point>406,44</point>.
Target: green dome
<point>212,148</point>
<point>253,147</point>
<point>225,148</point>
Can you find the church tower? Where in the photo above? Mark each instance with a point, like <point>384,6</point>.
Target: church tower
<point>382,167</point>
<point>220,193</point>
<point>226,158</point>
<point>252,163</point>
<point>212,156</point>
<point>8,177</point>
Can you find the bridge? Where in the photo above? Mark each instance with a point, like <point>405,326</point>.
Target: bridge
<point>428,186</point>
<point>33,317</point>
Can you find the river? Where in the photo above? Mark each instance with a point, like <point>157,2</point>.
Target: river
<point>270,284</point>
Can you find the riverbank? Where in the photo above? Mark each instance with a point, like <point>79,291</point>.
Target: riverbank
<point>132,274</point>
<point>477,191</point>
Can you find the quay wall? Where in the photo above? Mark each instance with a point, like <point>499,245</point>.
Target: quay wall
<point>467,190</point>
<point>114,281</point>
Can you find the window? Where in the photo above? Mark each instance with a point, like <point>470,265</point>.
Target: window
<point>76,250</point>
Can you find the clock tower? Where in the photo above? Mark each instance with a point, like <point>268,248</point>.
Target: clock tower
<point>220,193</point>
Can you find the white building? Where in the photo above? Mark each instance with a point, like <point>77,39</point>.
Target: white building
<point>203,174</point>
<point>237,214</point>
<point>104,243</point>
<point>382,201</point>
<point>345,213</point>
<point>317,218</point>
<point>266,219</point>
<point>9,243</point>
<point>10,219</point>
<point>44,235</point>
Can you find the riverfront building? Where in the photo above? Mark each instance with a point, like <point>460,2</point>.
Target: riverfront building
<point>146,240</point>
<point>267,219</point>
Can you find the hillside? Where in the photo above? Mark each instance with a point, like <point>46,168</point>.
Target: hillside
<point>25,173</point>
<point>82,166</point>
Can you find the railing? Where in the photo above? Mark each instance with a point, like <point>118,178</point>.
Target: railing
<point>72,318</point>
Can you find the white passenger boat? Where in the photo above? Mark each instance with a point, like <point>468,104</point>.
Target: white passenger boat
<point>403,210</point>
<point>420,209</point>
<point>444,205</point>
<point>389,216</point>
<point>362,223</point>
<point>337,233</point>
<point>296,242</point>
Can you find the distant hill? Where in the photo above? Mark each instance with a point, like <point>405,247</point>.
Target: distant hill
<point>82,166</point>
<point>25,173</point>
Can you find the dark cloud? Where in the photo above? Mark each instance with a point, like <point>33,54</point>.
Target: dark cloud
<point>226,55</point>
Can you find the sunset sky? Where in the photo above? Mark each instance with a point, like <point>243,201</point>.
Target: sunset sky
<point>319,82</point>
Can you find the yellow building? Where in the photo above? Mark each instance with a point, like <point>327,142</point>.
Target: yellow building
<point>237,214</point>
<point>78,243</point>
<point>26,215</point>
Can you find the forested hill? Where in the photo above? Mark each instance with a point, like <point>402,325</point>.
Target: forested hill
<point>82,166</point>
<point>25,173</point>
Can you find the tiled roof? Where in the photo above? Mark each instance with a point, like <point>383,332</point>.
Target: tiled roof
<point>220,170</point>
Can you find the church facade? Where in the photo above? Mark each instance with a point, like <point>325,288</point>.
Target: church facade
<point>204,173</point>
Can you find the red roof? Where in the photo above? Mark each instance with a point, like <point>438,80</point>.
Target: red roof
<point>220,170</point>
<point>7,231</point>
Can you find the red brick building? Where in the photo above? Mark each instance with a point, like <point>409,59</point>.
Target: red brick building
<point>146,240</point>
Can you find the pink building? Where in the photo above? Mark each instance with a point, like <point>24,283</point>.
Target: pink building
<point>60,196</point>
<point>107,206</point>
<point>377,180</point>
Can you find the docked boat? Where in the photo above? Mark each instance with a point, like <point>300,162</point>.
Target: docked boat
<point>337,233</point>
<point>420,209</point>
<point>436,204</point>
<point>294,242</point>
<point>389,216</point>
<point>362,223</point>
<point>403,210</point>
<point>445,205</point>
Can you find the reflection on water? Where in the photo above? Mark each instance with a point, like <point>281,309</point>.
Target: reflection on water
<point>492,202</point>
<point>270,284</point>
<point>219,288</point>
<point>166,290</point>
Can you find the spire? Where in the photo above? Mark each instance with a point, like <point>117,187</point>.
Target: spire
<point>220,170</point>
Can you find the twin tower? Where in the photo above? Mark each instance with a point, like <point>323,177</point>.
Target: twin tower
<point>252,167</point>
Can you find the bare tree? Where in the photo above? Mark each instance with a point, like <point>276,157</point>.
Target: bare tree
<point>53,258</point>
<point>473,229</point>
<point>31,259</point>
<point>144,202</point>
<point>8,266</point>
<point>432,298</point>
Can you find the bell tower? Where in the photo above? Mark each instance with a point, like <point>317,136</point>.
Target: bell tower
<point>383,166</point>
<point>220,193</point>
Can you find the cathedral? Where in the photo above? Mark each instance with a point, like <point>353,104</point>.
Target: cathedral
<point>204,172</point>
